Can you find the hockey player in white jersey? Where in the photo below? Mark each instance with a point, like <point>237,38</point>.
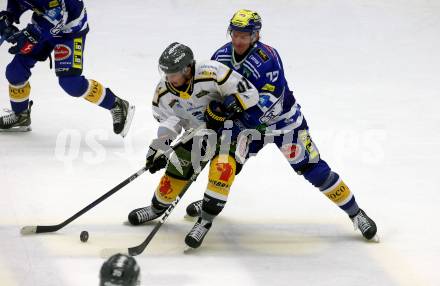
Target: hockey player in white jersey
<point>191,94</point>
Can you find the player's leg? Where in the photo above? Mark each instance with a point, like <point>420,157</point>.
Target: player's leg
<point>305,159</point>
<point>18,73</point>
<point>194,209</point>
<point>170,186</point>
<point>69,58</point>
<point>222,173</point>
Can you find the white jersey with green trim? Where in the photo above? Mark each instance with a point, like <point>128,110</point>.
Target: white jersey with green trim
<point>176,109</point>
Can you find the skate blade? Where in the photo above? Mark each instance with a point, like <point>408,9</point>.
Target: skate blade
<point>128,120</point>
<point>109,252</point>
<point>189,250</point>
<point>17,129</point>
<point>190,218</point>
<point>375,239</point>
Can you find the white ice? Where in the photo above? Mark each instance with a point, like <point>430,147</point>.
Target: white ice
<point>367,76</point>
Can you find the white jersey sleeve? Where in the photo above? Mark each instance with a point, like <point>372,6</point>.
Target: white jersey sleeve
<point>229,82</point>
<point>170,124</point>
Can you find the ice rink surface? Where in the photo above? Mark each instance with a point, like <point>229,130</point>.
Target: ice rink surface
<point>367,74</point>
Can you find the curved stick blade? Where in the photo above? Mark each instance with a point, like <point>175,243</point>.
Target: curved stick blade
<point>29,229</point>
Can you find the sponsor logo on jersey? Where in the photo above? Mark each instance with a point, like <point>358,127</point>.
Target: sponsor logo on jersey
<point>268,87</point>
<point>27,48</point>
<point>307,142</point>
<point>225,170</point>
<point>263,55</point>
<point>184,163</point>
<point>165,186</point>
<point>173,102</point>
<point>273,111</point>
<point>53,4</point>
<point>62,52</point>
<point>265,101</point>
<point>202,93</point>
<point>291,151</point>
<point>255,61</point>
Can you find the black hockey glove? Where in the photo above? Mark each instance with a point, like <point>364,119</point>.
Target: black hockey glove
<point>232,106</point>
<point>217,113</point>
<point>155,163</point>
<point>7,28</point>
<point>215,116</point>
<point>24,40</point>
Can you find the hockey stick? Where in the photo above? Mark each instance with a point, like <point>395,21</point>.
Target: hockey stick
<point>26,230</point>
<point>138,249</point>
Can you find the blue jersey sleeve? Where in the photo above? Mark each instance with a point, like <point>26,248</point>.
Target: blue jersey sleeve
<point>52,19</point>
<point>267,71</point>
<point>15,9</point>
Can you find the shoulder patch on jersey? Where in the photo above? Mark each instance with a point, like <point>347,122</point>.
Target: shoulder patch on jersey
<point>54,3</point>
<point>262,55</point>
<point>160,91</point>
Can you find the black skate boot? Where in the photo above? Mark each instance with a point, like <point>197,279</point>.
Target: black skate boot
<point>195,237</point>
<point>12,122</point>
<point>143,215</point>
<point>194,209</point>
<point>122,114</point>
<point>366,225</point>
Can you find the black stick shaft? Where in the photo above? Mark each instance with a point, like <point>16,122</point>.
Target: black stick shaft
<point>56,227</point>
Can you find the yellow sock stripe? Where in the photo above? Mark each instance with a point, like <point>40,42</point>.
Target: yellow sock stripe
<point>19,93</point>
<point>339,193</point>
<point>168,189</point>
<point>95,92</point>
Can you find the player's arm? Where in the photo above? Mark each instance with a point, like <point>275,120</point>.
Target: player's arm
<point>270,77</point>
<point>54,18</point>
<point>7,19</point>
<point>169,129</point>
<point>238,92</point>
<point>238,95</point>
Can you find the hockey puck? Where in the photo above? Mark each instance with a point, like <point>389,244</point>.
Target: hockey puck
<point>84,236</point>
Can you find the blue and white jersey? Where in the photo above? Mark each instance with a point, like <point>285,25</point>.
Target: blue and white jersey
<point>53,18</point>
<point>262,66</point>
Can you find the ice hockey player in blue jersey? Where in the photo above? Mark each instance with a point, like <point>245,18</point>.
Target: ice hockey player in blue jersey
<point>279,118</point>
<point>60,26</point>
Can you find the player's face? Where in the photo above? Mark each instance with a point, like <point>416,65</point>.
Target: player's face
<point>241,41</point>
<point>180,78</point>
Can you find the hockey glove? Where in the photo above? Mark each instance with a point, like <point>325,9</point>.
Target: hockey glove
<point>24,40</point>
<point>7,28</point>
<point>232,106</point>
<point>215,116</point>
<point>155,163</point>
<point>217,113</point>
